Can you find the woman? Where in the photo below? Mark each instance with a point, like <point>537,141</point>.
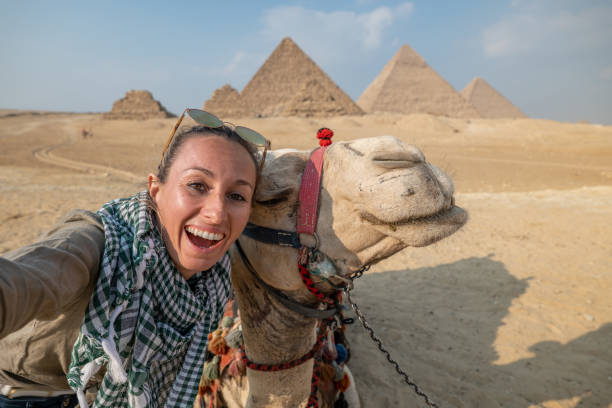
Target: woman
<point>162,285</point>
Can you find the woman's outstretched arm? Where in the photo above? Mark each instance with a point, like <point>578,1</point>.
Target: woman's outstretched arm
<point>41,280</point>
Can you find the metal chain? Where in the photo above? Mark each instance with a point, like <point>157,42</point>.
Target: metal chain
<point>376,340</point>
<point>359,273</point>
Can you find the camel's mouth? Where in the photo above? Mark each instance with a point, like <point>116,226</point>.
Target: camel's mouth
<point>411,231</point>
<point>446,216</point>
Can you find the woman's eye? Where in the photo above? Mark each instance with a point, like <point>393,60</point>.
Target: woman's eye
<point>236,197</point>
<point>198,186</point>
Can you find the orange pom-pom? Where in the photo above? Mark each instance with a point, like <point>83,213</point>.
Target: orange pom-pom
<point>343,384</point>
<point>217,345</point>
<point>204,389</point>
<point>327,372</point>
<point>237,367</point>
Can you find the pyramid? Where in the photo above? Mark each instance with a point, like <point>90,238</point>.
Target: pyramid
<point>137,105</point>
<point>282,77</point>
<point>488,102</point>
<point>408,85</point>
<point>313,99</point>
<point>226,102</point>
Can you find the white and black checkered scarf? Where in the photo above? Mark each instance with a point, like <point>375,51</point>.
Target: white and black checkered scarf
<point>145,322</point>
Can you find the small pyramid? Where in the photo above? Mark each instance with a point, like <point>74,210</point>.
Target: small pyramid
<point>138,105</point>
<point>488,102</point>
<point>407,84</point>
<point>277,82</point>
<point>226,102</point>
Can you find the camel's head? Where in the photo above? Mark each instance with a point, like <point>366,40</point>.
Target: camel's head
<point>378,196</point>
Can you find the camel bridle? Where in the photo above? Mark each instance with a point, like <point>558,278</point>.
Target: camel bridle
<point>332,315</point>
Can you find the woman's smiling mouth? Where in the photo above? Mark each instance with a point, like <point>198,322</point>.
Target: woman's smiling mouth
<point>203,239</point>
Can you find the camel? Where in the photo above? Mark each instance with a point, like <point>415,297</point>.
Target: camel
<point>378,196</point>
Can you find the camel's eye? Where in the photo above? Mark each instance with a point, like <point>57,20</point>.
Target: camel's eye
<point>272,202</point>
<point>273,197</point>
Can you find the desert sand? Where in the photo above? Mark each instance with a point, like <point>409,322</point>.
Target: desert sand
<point>514,310</point>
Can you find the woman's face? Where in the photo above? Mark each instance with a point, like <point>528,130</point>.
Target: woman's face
<point>205,202</point>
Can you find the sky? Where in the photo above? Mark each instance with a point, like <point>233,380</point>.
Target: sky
<point>550,58</point>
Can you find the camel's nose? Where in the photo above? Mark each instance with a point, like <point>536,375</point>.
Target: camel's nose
<point>408,157</point>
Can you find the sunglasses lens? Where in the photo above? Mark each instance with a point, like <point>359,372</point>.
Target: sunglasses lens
<point>205,118</point>
<point>250,135</point>
<point>211,121</point>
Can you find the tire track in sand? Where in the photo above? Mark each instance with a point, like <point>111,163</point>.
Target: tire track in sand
<point>45,155</point>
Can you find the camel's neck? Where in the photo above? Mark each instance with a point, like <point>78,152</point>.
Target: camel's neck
<point>272,334</point>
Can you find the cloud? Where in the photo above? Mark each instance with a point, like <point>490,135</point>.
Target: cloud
<point>404,9</point>
<point>235,68</point>
<point>234,63</point>
<point>373,25</point>
<point>544,27</point>
<point>335,34</point>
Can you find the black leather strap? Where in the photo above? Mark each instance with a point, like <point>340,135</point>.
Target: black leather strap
<point>272,236</point>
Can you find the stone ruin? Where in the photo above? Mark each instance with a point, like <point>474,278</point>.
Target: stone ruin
<point>138,105</point>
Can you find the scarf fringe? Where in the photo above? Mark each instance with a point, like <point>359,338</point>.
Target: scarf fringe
<point>89,370</point>
<point>82,400</point>
<point>138,401</point>
<point>142,266</point>
<point>115,368</point>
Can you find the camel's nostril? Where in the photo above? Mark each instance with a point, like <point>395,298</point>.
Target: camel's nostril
<point>408,192</point>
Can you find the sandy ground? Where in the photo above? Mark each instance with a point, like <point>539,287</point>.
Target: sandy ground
<point>514,310</point>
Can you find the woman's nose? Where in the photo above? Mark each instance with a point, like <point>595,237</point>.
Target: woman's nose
<point>213,209</point>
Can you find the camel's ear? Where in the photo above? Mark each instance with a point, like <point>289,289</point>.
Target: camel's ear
<point>279,181</point>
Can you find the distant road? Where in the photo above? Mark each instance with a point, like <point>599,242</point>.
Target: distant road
<point>45,155</point>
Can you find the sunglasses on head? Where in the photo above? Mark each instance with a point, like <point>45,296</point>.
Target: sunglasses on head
<point>211,121</point>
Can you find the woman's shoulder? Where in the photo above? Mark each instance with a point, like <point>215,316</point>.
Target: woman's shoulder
<point>76,223</point>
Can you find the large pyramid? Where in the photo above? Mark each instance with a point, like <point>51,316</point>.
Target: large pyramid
<point>137,105</point>
<point>408,85</point>
<point>290,83</point>
<point>488,102</point>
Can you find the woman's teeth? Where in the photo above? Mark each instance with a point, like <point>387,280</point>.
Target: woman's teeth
<point>203,234</point>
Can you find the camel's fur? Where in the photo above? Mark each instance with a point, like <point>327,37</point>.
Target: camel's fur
<point>378,196</point>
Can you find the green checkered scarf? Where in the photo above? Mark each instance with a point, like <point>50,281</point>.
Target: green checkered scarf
<point>145,322</point>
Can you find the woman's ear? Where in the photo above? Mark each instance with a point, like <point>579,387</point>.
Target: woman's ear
<point>153,186</point>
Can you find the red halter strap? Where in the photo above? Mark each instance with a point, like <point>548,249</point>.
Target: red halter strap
<point>311,183</point>
<point>309,208</point>
<point>309,193</point>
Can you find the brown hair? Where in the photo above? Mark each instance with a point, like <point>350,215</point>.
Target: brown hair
<point>187,133</point>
